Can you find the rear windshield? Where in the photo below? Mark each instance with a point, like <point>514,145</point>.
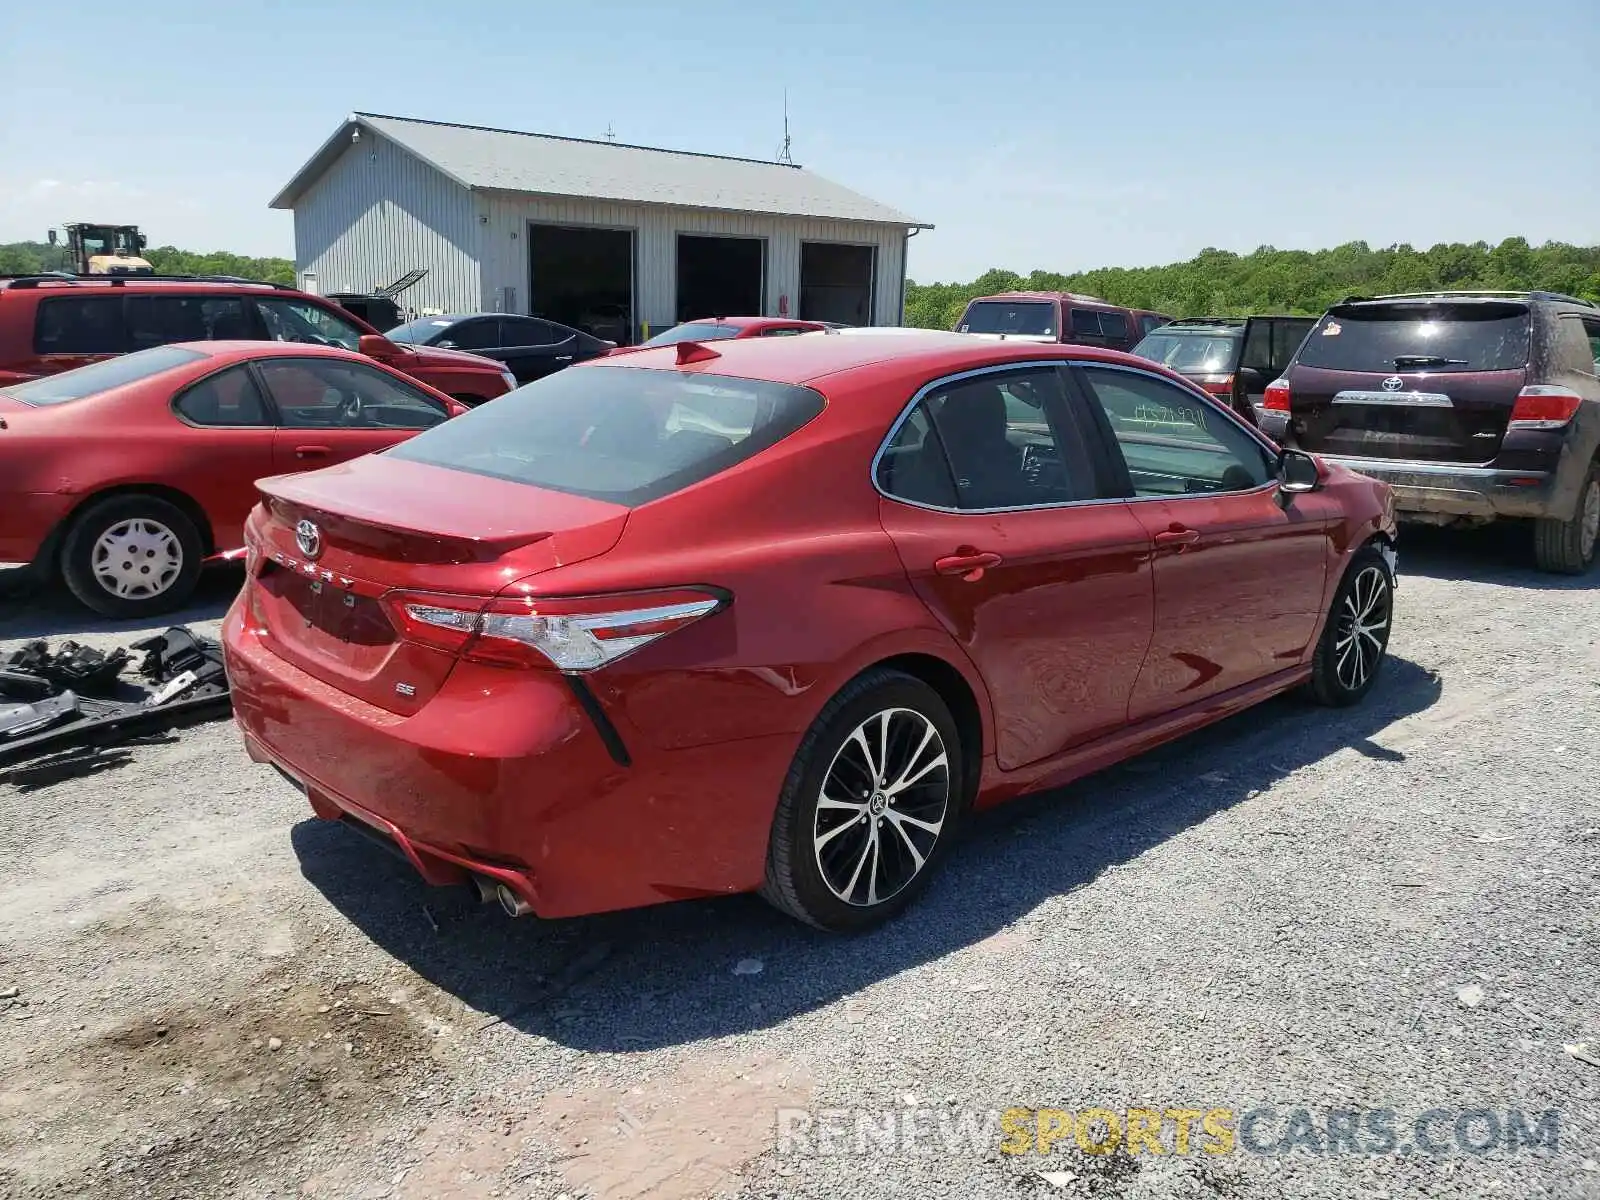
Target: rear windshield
<point>1031,318</point>
<point>1420,337</point>
<point>627,435</point>
<point>1190,351</point>
<point>101,376</point>
<point>694,331</point>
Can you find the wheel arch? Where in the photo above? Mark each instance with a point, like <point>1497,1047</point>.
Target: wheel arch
<point>958,696</point>
<point>49,558</point>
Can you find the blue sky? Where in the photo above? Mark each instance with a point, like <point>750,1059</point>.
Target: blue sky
<point>1032,134</point>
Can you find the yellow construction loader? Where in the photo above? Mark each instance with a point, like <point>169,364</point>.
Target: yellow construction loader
<point>105,249</point>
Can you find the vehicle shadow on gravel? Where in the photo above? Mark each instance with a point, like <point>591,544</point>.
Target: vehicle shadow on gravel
<point>1499,553</point>
<point>30,611</point>
<point>666,976</point>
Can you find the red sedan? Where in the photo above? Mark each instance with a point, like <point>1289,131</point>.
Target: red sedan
<point>125,475</point>
<point>717,329</point>
<point>774,615</point>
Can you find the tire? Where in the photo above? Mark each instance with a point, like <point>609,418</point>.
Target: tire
<point>842,896</point>
<point>162,551</point>
<point>1567,547</point>
<point>1343,672</point>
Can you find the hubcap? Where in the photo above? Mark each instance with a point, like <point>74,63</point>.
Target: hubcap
<point>1363,628</point>
<point>882,807</point>
<point>137,559</point>
<point>1591,517</point>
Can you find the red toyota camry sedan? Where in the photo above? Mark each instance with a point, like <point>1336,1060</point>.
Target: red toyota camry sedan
<point>775,615</point>
<point>124,476</point>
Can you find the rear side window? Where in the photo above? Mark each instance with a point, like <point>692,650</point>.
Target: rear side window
<point>1114,325</point>
<point>1481,336</point>
<point>228,399</point>
<point>158,320</point>
<point>101,376</point>
<point>1085,322</point>
<point>1026,318</point>
<point>627,435</point>
<point>79,325</point>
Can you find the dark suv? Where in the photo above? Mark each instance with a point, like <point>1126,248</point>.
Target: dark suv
<point>1057,317</point>
<point>54,323</point>
<point>1233,358</point>
<point>1474,405</point>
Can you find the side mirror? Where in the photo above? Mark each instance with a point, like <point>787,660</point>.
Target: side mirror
<point>375,345</point>
<point>1298,472</point>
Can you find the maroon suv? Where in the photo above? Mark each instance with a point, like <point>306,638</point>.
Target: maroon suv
<point>1058,317</point>
<point>53,323</point>
<point>1475,406</point>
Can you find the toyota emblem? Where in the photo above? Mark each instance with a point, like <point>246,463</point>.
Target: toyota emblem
<point>309,538</point>
<point>1393,384</point>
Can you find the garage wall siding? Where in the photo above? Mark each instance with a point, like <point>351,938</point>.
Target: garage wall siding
<point>505,249</point>
<point>379,212</point>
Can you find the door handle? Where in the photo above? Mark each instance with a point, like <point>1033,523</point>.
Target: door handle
<point>563,358</point>
<point>1177,536</point>
<point>969,564</point>
<point>311,451</point>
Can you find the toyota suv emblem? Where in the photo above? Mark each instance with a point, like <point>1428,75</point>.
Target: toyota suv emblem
<point>1392,384</point>
<point>309,538</point>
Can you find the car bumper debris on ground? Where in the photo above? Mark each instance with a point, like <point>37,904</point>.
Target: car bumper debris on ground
<point>1304,953</point>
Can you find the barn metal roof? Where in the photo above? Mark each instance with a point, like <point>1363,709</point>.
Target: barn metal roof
<point>507,160</point>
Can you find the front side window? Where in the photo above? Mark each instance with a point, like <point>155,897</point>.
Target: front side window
<point>420,332</point>
<point>228,399</point>
<point>627,435</point>
<point>79,325</point>
<point>1174,443</point>
<point>301,321</point>
<point>987,442</point>
<point>481,334</point>
<point>314,393</point>
<point>101,376</point>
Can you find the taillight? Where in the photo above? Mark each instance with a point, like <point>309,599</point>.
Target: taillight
<point>571,634</point>
<point>1540,406</point>
<point>1277,396</point>
<point>1216,385</point>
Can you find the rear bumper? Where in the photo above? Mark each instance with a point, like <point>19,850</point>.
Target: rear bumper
<point>503,775</point>
<point>1451,490</point>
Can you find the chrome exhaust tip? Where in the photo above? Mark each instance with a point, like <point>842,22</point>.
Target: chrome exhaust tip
<point>514,904</point>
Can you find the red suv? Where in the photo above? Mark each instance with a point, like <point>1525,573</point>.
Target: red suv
<point>54,323</point>
<point>1058,317</point>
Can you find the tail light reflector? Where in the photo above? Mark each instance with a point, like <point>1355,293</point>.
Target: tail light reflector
<point>1277,396</point>
<point>1541,406</point>
<point>572,634</point>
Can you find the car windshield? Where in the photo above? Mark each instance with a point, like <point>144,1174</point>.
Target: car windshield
<point>694,331</point>
<point>1477,336</point>
<point>417,333</point>
<point>1031,318</point>
<point>627,435</point>
<point>1191,351</point>
<point>101,376</point>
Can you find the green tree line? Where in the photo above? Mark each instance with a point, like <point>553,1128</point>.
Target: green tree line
<point>1220,283</point>
<point>24,258</point>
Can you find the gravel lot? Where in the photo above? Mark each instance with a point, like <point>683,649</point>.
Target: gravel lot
<point>1392,907</point>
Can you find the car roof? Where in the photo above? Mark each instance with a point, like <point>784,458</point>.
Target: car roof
<point>804,360</point>
<point>1069,297</point>
<point>259,349</point>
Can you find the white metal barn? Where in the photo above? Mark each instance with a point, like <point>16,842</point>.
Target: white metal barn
<point>610,237</point>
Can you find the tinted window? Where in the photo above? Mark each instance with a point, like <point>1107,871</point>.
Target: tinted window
<point>1257,352</point>
<point>228,398</point>
<point>480,334</point>
<point>623,434</point>
<point>1436,337</point>
<point>101,376</point>
<point>1150,324</point>
<point>1085,322</point>
<point>1174,443</point>
<point>525,331</point>
<point>1286,339</point>
<point>420,332</point>
<point>1572,350</point>
<point>1191,352</point>
<point>79,325</point>
<point>694,331</point>
<point>1114,325</point>
<point>302,321</point>
<point>1591,331</point>
<point>314,393</point>
<point>1028,318</point>
<point>995,436</point>
<point>782,331</point>
<point>157,320</point>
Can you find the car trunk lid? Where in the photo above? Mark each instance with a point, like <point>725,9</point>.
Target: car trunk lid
<point>1418,380</point>
<point>335,542</point>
